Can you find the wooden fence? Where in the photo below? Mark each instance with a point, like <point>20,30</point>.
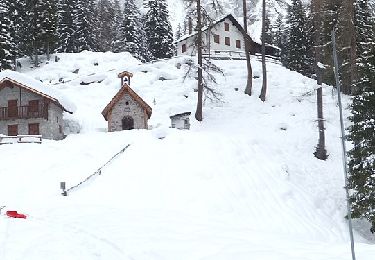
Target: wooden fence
<point>91,177</point>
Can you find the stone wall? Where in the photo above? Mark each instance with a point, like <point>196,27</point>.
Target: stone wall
<point>49,129</point>
<point>127,106</point>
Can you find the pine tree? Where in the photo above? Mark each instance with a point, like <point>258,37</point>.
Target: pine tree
<point>6,42</point>
<point>65,31</point>
<point>362,131</point>
<point>117,44</point>
<point>297,48</point>
<point>146,54</point>
<point>45,13</point>
<point>92,18</point>
<point>159,30</point>
<point>105,32</point>
<point>82,35</point>
<point>21,30</point>
<point>130,30</point>
<point>15,28</point>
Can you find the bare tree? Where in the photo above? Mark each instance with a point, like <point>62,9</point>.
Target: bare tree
<point>264,68</point>
<point>249,84</point>
<point>316,5</point>
<point>202,16</point>
<point>199,111</point>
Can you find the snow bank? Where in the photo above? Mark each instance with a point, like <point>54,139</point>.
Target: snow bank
<point>242,184</point>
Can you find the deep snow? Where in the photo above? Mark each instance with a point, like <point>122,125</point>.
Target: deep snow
<point>243,184</point>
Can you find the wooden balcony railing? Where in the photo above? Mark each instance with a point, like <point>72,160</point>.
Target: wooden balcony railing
<point>24,112</point>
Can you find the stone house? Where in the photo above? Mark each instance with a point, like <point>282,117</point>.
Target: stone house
<point>126,110</point>
<point>225,38</point>
<point>28,107</point>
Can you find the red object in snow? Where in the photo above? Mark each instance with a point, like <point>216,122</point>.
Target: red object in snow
<point>14,214</point>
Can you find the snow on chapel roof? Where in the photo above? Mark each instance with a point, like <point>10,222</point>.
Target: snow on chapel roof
<point>125,89</point>
<point>38,88</point>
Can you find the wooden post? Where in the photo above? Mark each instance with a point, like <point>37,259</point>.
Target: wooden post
<point>62,187</point>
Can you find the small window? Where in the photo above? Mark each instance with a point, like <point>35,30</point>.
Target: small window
<point>226,27</point>
<point>238,44</point>
<point>183,48</point>
<point>217,39</point>
<point>12,130</point>
<point>34,129</point>
<point>127,103</point>
<point>227,41</point>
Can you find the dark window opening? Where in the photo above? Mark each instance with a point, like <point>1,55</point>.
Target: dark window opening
<point>226,26</point>
<point>227,41</point>
<point>217,39</point>
<point>183,48</point>
<point>238,44</point>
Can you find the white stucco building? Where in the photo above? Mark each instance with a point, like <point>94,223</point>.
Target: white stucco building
<point>225,37</point>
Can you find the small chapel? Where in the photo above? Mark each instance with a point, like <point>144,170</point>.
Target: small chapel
<point>127,110</point>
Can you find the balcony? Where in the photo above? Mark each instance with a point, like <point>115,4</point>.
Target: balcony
<point>24,112</point>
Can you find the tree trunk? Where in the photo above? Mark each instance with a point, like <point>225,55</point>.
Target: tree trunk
<point>47,51</point>
<point>35,51</point>
<point>249,84</point>
<point>320,151</point>
<point>199,112</point>
<point>264,69</point>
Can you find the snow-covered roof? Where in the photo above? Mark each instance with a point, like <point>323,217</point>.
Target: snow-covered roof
<point>228,16</point>
<point>180,115</point>
<point>38,87</point>
<point>125,89</point>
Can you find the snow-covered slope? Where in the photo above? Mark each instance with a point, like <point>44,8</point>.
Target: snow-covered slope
<point>243,184</point>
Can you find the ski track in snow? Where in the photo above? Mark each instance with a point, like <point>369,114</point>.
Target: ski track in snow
<point>242,184</point>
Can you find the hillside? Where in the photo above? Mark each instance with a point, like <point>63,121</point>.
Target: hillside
<point>242,184</point>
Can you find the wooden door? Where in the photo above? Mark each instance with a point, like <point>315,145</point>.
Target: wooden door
<point>34,129</point>
<point>12,108</point>
<point>127,123</point>
<point>12,130</point>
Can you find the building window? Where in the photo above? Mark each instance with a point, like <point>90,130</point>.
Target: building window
<point>238,44</point>
<point>34,129</point>
<point>216,38</point>
<point>12,130</point>
<point>13,108</point>
<point>227,41</point>
<point>226,27</point>
<point>183,48</point>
